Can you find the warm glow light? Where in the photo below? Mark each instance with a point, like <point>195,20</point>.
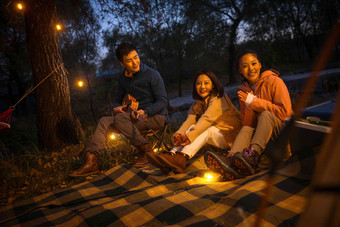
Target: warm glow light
<point>58,27</point>
<point>80,83</point>
<point>20,6</point>
<point>112,136</point>
<point>208,177</point>
<point>155,150</point>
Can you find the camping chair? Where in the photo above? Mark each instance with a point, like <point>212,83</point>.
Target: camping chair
<point>159,136</point>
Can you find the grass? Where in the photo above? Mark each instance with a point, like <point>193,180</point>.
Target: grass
<point>25,171</point>
<point>31,172</point>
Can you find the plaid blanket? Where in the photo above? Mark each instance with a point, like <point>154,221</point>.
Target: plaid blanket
<point>127,196</point>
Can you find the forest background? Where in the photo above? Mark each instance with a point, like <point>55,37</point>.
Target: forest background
<point>176,37</point>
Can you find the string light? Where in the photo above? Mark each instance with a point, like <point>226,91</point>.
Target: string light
<point>80,83</point>
<point>112,136</point>
<point>58,27</point>
<point>20,6</point>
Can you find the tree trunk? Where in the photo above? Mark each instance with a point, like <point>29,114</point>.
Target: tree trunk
<point>232,50</point>
<point>56,124</point>
<point>90,97</point>
<point>180,83</point>
<point>304,41</point>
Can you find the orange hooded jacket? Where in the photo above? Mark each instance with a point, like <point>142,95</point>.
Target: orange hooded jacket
<point>271,94</point>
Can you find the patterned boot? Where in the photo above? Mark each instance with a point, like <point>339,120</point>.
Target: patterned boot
<point>246,161</point>
<point>220,165</point>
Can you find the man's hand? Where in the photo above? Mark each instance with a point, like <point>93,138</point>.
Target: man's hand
<point>139,115</point>
<point>119,109</point>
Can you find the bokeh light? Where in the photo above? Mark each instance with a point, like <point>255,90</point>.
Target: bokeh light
<point>20,6</point>
<point>208,177</point>
<point>112,136</point>
<point>80,83</point>
<point>58,27</point>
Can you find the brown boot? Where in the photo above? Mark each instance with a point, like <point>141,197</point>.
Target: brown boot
<point>175,162</point>
<point>89,167</point>
<point>152,158</point>
<point>142,161</point>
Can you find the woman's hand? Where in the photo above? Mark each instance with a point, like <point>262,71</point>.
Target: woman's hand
<point>177,139</point>
<point>180,139</point>
<point>184,140</point>
<point>242,95</point>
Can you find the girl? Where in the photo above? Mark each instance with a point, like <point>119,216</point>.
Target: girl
<point>264,106</point>
<point>212,119</point>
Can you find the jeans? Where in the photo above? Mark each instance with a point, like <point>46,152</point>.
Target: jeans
<point>125,125</point>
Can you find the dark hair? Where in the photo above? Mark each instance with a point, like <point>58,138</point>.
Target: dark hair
<point>217,89</point>
<point>244,52</point>
<point>124,49</point>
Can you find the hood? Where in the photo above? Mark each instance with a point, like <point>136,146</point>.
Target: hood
<point>264,75</point>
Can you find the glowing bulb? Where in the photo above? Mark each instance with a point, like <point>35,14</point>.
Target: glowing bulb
<point>112,136</point>
<point>208,177</point>
<point>58,27</point>
<point>155,150</point>
<point>20,6</point>
<point>80,83</point>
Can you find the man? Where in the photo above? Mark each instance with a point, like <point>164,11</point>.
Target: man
<point>147,87</point>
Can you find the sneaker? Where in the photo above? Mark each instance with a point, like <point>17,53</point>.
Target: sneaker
<point>175,162</point>
<point>220,165</point>
<point>246,161</point>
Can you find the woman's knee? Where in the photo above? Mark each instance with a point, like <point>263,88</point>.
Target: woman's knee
<point>266,114</point>
<point>247,129</point>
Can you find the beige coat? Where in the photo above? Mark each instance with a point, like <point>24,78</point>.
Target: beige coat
<point>214,111</point>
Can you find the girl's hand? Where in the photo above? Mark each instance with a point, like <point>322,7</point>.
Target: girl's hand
<point>243,95</point>
<point>177,139</point>
<point>185,140</point>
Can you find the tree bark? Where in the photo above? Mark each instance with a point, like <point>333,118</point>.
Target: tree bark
<point>232,49</point>
<point>56,124</point>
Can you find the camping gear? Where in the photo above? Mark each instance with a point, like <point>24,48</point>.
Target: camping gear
<point>5,117</point>
<point>323,111</point>
<point>276,154</point>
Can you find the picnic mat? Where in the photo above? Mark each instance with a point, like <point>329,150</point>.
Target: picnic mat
<point>127,196</point>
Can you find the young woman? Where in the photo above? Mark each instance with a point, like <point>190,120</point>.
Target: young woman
<point>212,119</point>
<point>264,106</point>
